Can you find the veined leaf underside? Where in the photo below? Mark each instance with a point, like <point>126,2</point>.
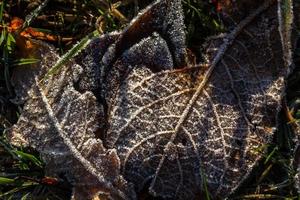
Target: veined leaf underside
<point>168,126</point>
<point>61,123</point>
<point>73,148</point>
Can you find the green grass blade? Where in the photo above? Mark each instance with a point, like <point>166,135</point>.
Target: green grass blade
<point>70,54</point>
<point>204,184</point>
<point>5,57</point>
<point>29,157</point>
<point>269,157</point>
<point>10,42</point>
<point>6,181</point>
<point>26,196</point>
<point>1,10</point>
<point>18,189</point>
<point>3,36</point>
<point>29,18</point>
<point>25,61</point>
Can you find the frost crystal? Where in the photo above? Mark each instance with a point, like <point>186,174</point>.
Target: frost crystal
<point>162,125</point>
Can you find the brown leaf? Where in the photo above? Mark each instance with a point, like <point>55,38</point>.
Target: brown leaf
<point>166,126</point>
<point>173,130</point>
<point>60,123</point>
<point>61,115</point>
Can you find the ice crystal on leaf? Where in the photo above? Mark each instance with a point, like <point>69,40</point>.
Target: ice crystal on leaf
<point>60,122</point>
<point>164,124</point>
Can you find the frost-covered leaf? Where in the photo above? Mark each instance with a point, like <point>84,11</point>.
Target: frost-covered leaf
<point>154,38</point>
<point>61,123</point>
<point>167,127</point>
<point>175,129</point>
<point>61,116</point>
<point>90,59</point>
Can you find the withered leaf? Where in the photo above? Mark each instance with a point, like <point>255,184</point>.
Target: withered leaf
<point>154,38</point>
<point>61,123</point>
<point>169,126</point>
<point>173,130</point>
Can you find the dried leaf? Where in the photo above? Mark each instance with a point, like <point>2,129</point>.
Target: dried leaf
<point>174,129</point>
<point>61,123</point>
<point>168,127</point>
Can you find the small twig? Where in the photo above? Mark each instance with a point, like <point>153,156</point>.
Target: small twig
<point>260,196</point>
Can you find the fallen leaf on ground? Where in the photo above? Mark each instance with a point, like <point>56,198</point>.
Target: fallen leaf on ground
<point>165,125</point>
